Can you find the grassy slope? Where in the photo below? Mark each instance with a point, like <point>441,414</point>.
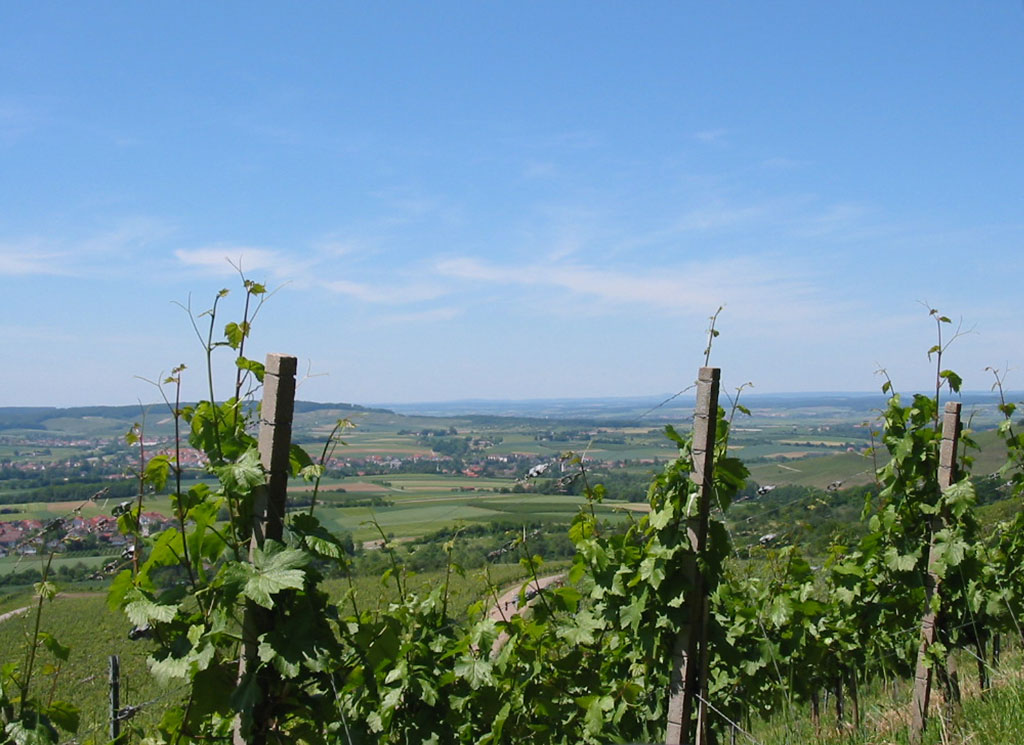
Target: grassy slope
<point>83,622</point>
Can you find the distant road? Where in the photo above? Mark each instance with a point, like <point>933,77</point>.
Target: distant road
<point>506,606</point>
<point>13,613</point>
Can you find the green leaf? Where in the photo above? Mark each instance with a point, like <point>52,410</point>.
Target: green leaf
<point>27,732</point>
<point>235,333</point>
<point>141,612</point>
<point>901,562</point>
<point>659,519</point>
<point>157,471</point>
<point>312,472</point>
<point>119,587</point>
<point>581,629</point>
<point>274,569</point>
<point>475,671</point>
<point>780,611</point>
<point>64,715</point>
<point>960,497</point>
<point>952,379</point>
<point>244,474</point>
<point>256,368</point>
<point>298,459</point>
<point>594,719</point>
<point>55,648</point>
<point>631,615</point>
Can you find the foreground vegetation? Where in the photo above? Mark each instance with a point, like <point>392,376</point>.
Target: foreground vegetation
<point>248,638</point>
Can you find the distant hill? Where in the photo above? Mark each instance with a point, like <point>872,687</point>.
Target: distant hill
<point>672,407</point>
<point>100,420</point>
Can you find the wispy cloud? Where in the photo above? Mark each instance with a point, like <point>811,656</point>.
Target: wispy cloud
<point>432,315</point>
<point>711,136</point>
<point>755,286</point>
<point>225,259</point>
<point>104,251</point>
<point>388,294</point>
<point>31,257</point>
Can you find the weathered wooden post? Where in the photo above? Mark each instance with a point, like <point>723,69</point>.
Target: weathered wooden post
<point>688,686</point>
<point>269,506</point>
<point>930,620</point>
<point>115,697</point>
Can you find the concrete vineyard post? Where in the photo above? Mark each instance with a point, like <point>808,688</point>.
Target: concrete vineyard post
<point>688,687</point>
<point>930,620</point>
<point>275,438</point>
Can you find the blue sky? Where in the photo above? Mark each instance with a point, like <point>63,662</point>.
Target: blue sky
<point>519,200</point>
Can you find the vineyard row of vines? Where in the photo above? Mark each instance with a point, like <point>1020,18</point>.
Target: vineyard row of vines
<point>241,623</point>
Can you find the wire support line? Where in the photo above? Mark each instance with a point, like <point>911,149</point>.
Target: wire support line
<point>725,717</point>
<point>123,714</point>
<point>673,397</point>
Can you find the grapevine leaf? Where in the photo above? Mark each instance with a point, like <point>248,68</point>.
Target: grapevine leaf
<point>119,587</point>
<point>40,733</point>
<point>274,569</point>
<point>141,612</point>
<point>475,671</point>
<point>256,368</point>
<point>55,648</point>
<point>952,379</point>
<point>298,459</point>
<point>244,474</point>
<point>64,715</point>
<point>581,629</point>
<point>157,471</point>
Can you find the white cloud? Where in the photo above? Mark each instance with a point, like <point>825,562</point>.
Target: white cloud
<point>754,286</point>
<point>106,251</point>
<point>31,257</point>
<point>227,259</point>
<point>425,316</point>
<point>386,294</point>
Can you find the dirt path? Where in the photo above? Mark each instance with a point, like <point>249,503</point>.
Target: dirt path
<point>13,613</point>
<point>19,611</point>
<point>506,607</point>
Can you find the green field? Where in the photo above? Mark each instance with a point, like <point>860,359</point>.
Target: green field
<point>418,513</point>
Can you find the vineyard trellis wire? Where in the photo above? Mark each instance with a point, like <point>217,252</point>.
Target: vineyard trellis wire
<point>593,660</point>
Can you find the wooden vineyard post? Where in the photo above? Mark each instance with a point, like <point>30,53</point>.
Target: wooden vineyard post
<point>688,686</point>
<point>930,620</point>
<point>115,698</point>
<point>275,439</point>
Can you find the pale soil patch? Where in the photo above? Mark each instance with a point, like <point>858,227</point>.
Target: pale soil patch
<point>506,606</point>
<point>13,613</point>
<point>349,486</point>
<point>68,506</point>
